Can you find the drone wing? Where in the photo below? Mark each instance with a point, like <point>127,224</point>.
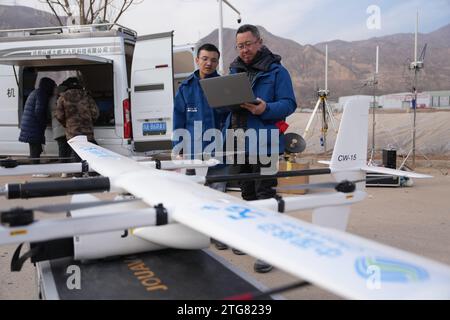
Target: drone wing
<point>395,172</point>
<point>345,264</point>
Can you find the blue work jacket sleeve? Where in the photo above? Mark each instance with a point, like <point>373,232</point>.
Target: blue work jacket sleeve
<point>285,103</point>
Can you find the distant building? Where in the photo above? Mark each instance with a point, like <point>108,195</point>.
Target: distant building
<point>402,100</point>
<point>440,99</point>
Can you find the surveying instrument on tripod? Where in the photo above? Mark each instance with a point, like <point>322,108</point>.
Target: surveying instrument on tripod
<point>324,108</point>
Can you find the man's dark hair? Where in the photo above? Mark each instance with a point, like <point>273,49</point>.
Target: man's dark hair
<point>208,47</point>
<point>47,85</point>
<point>249,27</point>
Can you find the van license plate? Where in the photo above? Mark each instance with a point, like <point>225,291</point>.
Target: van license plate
<point>154,128</point>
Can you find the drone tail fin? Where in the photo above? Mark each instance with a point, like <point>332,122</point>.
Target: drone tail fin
<point>349,159</point>
<point>350,150</point>
<point>349,155</point>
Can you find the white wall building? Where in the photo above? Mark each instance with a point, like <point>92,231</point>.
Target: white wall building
<point>403,100</point>
<point>440,99</point>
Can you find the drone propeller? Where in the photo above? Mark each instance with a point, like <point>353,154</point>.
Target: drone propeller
<point>22,217</point>
<point>9,162</point>
<point>77,206</point>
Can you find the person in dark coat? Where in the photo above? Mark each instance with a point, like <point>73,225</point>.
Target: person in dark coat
<point>34,117</point>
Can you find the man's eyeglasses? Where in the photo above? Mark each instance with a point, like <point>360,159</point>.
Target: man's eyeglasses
<point>248,44</point>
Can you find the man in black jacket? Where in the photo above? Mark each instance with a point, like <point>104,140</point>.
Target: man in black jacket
<point>272,86</point>
<point>34,117</point>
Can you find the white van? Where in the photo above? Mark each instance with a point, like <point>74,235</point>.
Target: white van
<point>132,79</point>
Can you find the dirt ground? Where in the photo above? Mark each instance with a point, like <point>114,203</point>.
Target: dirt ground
<point>416,219</point>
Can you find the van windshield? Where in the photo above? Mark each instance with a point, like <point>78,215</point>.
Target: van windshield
<point>97,79</point>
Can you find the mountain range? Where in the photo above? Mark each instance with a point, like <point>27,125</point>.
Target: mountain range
<point>351,63</point>
<point>22,17</point>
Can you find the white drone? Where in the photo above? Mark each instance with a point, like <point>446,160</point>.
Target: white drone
<point>178,211</point>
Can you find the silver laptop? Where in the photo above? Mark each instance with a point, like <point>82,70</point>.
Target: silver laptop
<point>228,92</point>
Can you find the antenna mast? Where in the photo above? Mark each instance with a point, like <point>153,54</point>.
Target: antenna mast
<point>221,70</point>
<point>373,83</point>
<point>326,68</point>
<point>416,65</point>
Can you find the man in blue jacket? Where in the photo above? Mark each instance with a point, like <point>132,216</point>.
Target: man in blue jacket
<point>272,86</point>
<point>191,110</point>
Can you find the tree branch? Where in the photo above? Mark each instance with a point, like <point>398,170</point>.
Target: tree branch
<point>82,13</point>
<point>125,6</point>
<point>54,12</point>
<point>105,10</point>
<point>90,17</point>
<point>90,11</point>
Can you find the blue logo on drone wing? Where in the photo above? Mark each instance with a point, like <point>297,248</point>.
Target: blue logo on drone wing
<point>391,270</point>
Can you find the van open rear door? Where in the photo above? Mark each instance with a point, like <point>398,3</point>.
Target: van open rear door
<point>52,60</point>
<point>12,99</point>
<point>152,93</point>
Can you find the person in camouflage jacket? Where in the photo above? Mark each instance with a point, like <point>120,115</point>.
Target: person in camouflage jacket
<point>77,111</point>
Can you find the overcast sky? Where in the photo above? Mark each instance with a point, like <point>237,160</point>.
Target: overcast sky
<point>305,21</point>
